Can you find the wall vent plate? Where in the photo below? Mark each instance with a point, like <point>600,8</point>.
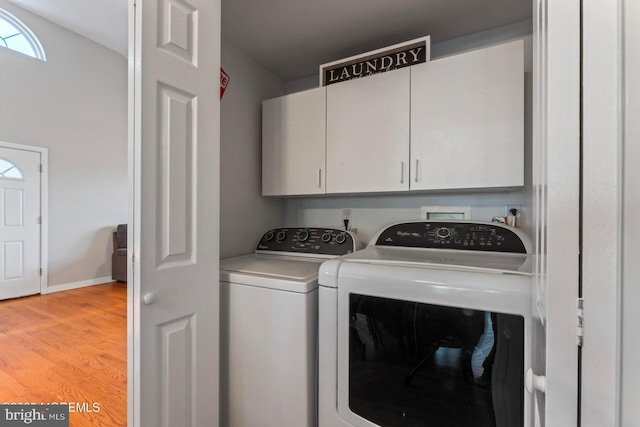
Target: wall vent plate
<point>445,212</point>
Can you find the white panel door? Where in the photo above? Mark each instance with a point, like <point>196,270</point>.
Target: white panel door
<point>19,223</point>
<point>293,144</point>
<point>368,134</point>
<point>175,166</point>
<point>467,120</point>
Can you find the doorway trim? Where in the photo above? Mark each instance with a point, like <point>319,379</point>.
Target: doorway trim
<point>44,208</point>
<point>605,213</point>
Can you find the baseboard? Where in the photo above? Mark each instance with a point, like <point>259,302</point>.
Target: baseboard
<point>76,285</point>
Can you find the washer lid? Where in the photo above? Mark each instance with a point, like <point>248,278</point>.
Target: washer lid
<point>294,274</point>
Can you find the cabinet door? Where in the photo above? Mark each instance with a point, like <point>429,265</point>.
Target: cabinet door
<point>368,134</point>
<point>467,120</point>
<point>293,144</point>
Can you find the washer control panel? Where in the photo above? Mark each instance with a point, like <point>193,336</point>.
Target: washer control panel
<point>486,237</point>
<point>321,241</point>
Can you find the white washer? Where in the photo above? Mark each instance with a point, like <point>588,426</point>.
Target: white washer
<point>429,325</point>
<point>269,327</point>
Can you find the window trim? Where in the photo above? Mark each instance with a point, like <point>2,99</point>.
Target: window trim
<point>28,34</point>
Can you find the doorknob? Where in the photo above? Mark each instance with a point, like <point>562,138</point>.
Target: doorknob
<point>535,382</point>
<point>149,298</point>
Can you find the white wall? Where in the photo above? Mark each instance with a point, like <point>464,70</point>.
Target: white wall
<point>75,104</point>
<point>487,38</point>
<point>244,213</point>
<point>370,212</point>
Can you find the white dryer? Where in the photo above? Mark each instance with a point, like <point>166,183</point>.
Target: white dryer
<point>269,327</point>
<point>430,325</point>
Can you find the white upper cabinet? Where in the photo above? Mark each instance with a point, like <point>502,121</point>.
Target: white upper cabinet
<point>452,123</point>
<point>368,134</point>
<point>467,120</point>
<point>293,144</point>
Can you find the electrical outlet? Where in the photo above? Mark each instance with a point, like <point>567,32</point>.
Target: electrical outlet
<point>508,208</point>
<point>346,214</point>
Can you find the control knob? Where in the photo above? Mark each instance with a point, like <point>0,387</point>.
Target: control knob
<point>281,236</point>
<point>326,237</point>
<point>340,238</point>
<point>303,235</point>
<point>443,233</point>
<point>269,236</point>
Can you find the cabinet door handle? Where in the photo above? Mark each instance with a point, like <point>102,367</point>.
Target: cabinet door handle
<point>319,178</point>
<point>401,172</point>
<point>417,169</point>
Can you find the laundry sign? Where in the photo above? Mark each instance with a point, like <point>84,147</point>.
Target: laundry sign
<point>378,61</point>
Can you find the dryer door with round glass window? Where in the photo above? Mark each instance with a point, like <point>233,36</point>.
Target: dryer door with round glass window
<point>430,350</point>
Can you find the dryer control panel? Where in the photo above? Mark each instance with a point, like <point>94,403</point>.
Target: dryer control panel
<point>320,241</point>
<point>474,236</point>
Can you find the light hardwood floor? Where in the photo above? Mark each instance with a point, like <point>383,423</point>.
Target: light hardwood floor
<point>68,347</point>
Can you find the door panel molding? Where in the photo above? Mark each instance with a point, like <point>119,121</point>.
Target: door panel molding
<point>177,350</point>
<point>178,137</point>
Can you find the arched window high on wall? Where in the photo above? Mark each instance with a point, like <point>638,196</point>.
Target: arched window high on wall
<point>16,36</point>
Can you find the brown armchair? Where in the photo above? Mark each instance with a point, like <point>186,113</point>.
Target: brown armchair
<point>119,257</point>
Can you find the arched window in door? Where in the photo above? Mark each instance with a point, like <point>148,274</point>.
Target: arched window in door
<point>16,36</point>
<point>10,171</point>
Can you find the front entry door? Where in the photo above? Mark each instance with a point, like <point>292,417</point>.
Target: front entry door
<point>19,223</point>
<point>174,224</point>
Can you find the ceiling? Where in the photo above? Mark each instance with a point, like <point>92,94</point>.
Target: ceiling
<point>291,38</point>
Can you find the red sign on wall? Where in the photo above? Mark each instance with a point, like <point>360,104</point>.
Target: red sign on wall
<point>224,81</point>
